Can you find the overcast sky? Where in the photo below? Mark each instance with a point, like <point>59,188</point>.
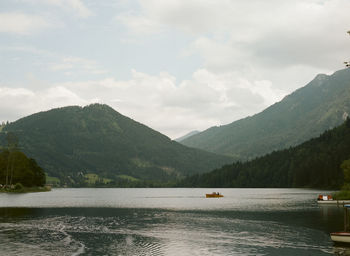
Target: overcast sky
<point>174,65</point>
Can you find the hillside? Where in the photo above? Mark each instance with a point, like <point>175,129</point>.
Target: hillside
<point>96,144</point>
<point>313,164</point>
<point>187,136</point>
<point>306,113</point>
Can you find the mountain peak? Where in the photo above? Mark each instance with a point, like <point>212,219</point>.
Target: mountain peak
<point>98,106</point>
<point>305,113</point>
<point>321,77</point>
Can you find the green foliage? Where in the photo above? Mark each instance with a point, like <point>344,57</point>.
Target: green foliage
<point>93,179</point>
<point>53,180</point>
<point>73,141</point>
<point>304,114</point>
<point>314,164</point>
<point>342,195</point>
<point>129,178</point>
<point>24,170</point>
<point>346,170</point>
<point>18,186</point>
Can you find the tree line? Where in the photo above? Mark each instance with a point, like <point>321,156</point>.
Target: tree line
<point>313,164</point>
<point>16,167</point>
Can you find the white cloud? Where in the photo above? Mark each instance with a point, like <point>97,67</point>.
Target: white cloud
<point>194,16</point>
<point>241,34</point>
<point>19,102</point>
<point>173,108</point>
<point>243,56</point>
<point>23,24</point>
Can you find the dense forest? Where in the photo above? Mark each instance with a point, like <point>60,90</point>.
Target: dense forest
<point>306,113</point>
<point>97,146</point>
<point>313,164</point>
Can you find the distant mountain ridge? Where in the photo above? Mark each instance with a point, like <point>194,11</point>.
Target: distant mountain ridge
<point>75,143</point>
<point>322,104</point>
<point>187,136</point>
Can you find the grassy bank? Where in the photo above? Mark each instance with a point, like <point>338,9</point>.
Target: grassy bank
<point>341,195</point>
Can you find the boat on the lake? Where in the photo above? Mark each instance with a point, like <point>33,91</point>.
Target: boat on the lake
<point>328,199</point>
<point>214,194</point>
<point>323,198</point>
<point>343,236</point>
<point>340,237</point>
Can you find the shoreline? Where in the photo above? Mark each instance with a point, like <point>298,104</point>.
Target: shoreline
<point>26,190</point>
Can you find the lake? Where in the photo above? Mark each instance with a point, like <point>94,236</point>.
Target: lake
<point>168,221</point>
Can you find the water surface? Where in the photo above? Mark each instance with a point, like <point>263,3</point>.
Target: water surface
<point>168,222</point>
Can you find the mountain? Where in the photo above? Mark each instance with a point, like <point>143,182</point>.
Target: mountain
<point>97,144</point>
<point>322,104</point>
<point>313,164</point>
<point>187,136</point>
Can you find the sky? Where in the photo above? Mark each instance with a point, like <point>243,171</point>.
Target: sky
<point>173,65</point>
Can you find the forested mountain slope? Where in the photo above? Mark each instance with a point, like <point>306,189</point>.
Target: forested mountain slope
<point>313,164</point>
<point>306,113</point>
<point>73,142</point>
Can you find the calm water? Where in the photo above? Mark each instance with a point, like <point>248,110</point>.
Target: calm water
<point>168,222</point>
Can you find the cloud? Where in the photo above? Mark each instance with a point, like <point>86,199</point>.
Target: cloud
<point>23,24</point>
<point>172,107</point>
<point>230,58</point>
<point>19,102</point>
<point>194,16</point>
<point>159,101</point>
<point>240,34</point>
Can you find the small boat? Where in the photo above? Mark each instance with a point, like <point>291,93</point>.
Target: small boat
<point>328,199</point>
<point>214,194</point>
<point>343,236</point>
<point>324,198</point>
<point>340,237</point>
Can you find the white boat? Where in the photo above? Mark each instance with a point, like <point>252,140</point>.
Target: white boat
<point>343,236</point>
<point>328,199</point>
<point>340,237</point>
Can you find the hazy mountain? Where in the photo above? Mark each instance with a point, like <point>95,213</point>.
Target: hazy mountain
<point>314,164</point>
<point>187,136</point>
<point>73,142</point>
<point>306,113</point>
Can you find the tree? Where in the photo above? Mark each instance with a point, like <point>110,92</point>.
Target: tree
<point>12,146</point>
<point>25,171</point>
<point>346,170</point>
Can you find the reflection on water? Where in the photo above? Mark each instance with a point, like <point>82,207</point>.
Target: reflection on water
<point>244,222</point>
